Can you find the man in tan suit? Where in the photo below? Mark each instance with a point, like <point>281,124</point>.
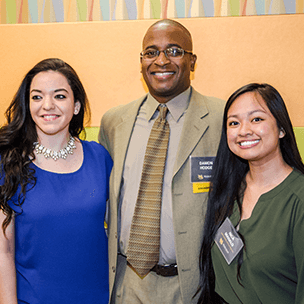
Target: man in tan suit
<point>195,125</point>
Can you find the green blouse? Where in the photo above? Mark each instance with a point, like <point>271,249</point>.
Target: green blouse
<point>273,267</point>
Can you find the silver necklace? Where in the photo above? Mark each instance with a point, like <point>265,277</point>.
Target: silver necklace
<point>49,153</point>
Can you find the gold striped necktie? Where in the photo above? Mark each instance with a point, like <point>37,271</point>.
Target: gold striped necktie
<point>143,248</point>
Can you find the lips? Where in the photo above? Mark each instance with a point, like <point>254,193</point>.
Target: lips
<point>162,75</point>
<point>49,117</point>
<point>248,143</point>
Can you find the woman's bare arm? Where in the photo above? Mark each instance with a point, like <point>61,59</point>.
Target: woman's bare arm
<point>8,291</point>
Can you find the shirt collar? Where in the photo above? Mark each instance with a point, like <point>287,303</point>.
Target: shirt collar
<point>176,106</point>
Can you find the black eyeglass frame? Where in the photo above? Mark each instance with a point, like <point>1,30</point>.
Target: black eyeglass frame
<point>142,55</point>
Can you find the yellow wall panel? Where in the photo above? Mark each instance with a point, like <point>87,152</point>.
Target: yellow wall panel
<point>231,52</point>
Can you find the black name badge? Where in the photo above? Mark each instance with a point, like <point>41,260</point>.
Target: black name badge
<point>228,241</point>
<point>201,168</point>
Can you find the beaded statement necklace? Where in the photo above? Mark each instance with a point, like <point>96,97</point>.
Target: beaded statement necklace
<point>49,153</point>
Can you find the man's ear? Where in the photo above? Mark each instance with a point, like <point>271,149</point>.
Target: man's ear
<point>141,64</point>
<point>193,61</point>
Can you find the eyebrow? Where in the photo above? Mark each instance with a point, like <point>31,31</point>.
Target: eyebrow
<point>168,46</point>
<point>250,113</point>
<point>57,90</point>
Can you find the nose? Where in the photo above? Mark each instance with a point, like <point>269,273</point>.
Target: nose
<point>48,103</point>
<point>162,59</point>
<point>245,129</point>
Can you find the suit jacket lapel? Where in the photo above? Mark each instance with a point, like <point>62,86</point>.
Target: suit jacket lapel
<point>195,125</point>
<point>122,139</point>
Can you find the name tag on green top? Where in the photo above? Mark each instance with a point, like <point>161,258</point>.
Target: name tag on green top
<point>228,241</point>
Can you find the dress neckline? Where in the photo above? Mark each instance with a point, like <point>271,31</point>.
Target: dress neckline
<point>65,173</point>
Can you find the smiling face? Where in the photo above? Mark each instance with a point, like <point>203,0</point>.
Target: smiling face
<point>52,103</point>
<point>252,131</point>
<point>167,78</point>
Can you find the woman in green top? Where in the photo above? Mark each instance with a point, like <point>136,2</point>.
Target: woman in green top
<point>258,183</point>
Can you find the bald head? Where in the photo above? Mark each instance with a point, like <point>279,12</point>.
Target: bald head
<point>167,76</point>
<point>164,24</point>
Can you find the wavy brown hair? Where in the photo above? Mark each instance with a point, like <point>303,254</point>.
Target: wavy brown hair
<point>19,133</point>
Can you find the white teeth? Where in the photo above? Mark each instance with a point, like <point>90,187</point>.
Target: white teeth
<point>49,116</point>
<point>248,143</point>
<point>164,73</point>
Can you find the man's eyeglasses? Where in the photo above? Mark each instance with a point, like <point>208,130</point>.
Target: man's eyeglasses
<point>172,52</point>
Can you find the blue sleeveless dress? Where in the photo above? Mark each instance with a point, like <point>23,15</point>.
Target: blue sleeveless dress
<point>61,245</point>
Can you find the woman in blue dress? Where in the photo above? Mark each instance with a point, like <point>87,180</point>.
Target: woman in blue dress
<point>54,187</point>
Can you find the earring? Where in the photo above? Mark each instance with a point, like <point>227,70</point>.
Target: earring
<point>76,108</point>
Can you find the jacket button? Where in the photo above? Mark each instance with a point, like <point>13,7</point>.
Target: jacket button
<point>113,268</point>
<point>115,235</point>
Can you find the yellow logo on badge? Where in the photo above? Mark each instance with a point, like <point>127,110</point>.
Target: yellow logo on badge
<point>201,187</point>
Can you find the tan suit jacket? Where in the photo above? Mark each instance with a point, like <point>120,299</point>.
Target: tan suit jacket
<point>200,137</point>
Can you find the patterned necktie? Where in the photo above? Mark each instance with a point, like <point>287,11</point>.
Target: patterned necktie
<point>143,249</point>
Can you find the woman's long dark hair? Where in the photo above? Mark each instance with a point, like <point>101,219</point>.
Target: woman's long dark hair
<point>228,181</point>
<point>19,133</point>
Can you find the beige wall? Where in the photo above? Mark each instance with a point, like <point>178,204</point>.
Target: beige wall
<point>231,51</point>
